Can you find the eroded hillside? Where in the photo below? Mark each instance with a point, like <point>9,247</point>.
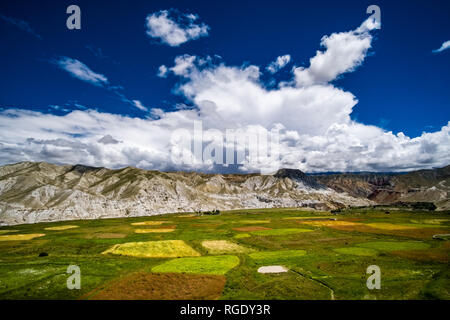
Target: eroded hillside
<point>34,192</point>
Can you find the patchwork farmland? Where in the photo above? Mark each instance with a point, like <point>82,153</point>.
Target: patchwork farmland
<point>299,254</point>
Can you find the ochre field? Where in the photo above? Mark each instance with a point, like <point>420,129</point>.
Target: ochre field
<point>189,256</point>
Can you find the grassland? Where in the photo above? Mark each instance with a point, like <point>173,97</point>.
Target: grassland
<point>216,265</point>
<point>395,245</point>
<point>279,256</point>
<point>279,232</point>
<point>218,256</point>
<point>224,246</point>
<point>356,251</point>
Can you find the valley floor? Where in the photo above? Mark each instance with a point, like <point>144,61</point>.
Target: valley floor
<point>188,256</point>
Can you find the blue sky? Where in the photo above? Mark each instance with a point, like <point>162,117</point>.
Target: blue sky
<point>401,86</point>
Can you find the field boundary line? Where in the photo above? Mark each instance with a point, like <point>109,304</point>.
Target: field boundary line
<point>323,284</point>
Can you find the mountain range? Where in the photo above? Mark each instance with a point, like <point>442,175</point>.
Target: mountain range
<point>32,192</point>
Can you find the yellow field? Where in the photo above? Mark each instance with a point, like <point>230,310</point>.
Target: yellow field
<point>242,235</point>
<point>154,249</point>
<point>7,231</point>
<point>19,237</point>
<point>430,221</point>
<point>389,226</point>
<point>105,235</point>
<point>308,218</point>
<point>223,246</point>
<point>61,228</point>
<point>254,221</point>
<point>331,223</point>
<point>153,230</point>
<point>149,223</point>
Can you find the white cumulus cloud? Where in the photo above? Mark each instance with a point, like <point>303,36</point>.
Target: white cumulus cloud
<point>279,63</point>
<point>162,71</point>
<point>183,65</point>
<point>443,47</point>
<point>21,24</point>
<point>312,118</point>
<point>174,28</point>
<point>138,104</point>
<point>80,71</point>
<point>344,52</point>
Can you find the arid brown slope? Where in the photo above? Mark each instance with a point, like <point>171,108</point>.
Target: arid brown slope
<point>384,188</point>
<point>161,286</point>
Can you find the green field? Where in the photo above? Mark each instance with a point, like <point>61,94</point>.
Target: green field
<point>218,265</point>
<point>326,258</point>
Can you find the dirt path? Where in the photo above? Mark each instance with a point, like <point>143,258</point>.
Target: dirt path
<point>323,284</point>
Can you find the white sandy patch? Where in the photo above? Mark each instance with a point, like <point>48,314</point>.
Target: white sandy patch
<point>272,269</point>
